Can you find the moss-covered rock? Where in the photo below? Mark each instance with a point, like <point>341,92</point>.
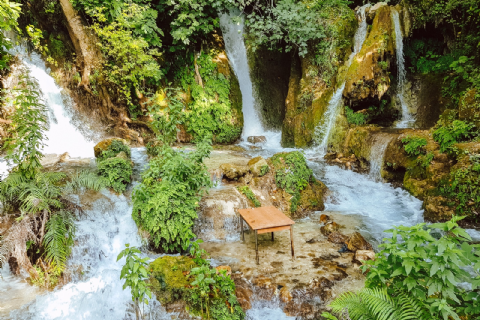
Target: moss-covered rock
<point>312,84</point>
<point>104,145</point>
<point>258,166</point>
<point>168,277</point>
<point>367,78</point>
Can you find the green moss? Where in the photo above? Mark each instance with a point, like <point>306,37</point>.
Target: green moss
<point>168,280</point>
<point>250,195</point>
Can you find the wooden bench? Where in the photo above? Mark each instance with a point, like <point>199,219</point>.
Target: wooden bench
<point>266,219</point>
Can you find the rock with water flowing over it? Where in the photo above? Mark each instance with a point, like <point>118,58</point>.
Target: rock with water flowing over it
<point>373,10</point>
<point>257,139</point>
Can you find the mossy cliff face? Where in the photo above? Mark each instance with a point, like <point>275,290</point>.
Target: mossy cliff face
<point>311,86</point>
<point>367,79</point>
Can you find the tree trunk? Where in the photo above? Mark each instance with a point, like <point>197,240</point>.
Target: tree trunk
<point>84,42</point>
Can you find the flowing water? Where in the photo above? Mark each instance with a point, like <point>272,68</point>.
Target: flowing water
<point>232,26</point>
<point>377,152</point>
<point>324,128</point>
<point>62,135</point>
<point>407,119</point>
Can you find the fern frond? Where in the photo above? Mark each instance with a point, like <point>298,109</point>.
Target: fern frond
<point>84,179</point>
<point>58,240</point>
<point>371,304</point>
<point>411,308</point>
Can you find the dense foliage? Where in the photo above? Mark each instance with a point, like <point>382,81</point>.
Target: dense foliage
<point>461,188</point>
<point>9,13</point>
<point>165,203</point>
<point>448,135</point>
<point>414,146</point>
<point>292,174</point>
<point>114,166</point>
<point>419,274</point>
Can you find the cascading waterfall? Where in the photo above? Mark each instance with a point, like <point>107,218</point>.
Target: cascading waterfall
<point>232,30</point>
<point>237,55</point>
<point>62,136</point>
<point>324,129</point>
<point>407,119</point>
<point>377,152</point>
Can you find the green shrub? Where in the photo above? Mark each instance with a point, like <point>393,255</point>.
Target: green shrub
<point>250,195</point>
<point>426,262</point>
<point>264,170</point>
<point>414,146</point>
<point>453,133</point>
<point>114,149</point>
<point>117,172</point>
<point>292,174</point>
<point>462,190</point>
<point>355,118</point>
<point>165,203</point>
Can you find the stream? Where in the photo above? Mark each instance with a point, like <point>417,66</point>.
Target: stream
<point>95,290</point>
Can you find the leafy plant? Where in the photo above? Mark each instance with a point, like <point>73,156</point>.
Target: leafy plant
<point>9,13</point>
<point>264,170</point>
<point>27,129</point>
<point>414,146</point>
<point>448,135</point>
<point>376,304</point>
<point>58,240</point>
<point>250,195</point>
<point>135,272</point>
<point>426,263</point>
<point>461,188</point>
<point>117,172</point>
<point>425,160</point>
<point>114,149</point>
<point>292,174</point>
<point>356,118</point>
<point>165,203</point>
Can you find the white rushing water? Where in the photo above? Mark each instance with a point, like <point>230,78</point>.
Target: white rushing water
<point>377,153</point>
<point>62,136</point>
<point>232,26</point>
<point>324,128</point>
<point>407,119</point>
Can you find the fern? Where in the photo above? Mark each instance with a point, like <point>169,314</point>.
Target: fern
<point>59,237</point>
<point>377,304</point>
<point>84,179</point>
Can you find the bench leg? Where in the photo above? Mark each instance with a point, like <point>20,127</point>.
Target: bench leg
<point>291,242</point>
<point>256,247</point>
<point>273,239</point>
<point>241,228</point>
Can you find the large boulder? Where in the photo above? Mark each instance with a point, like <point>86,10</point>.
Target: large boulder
<point>233,171</point>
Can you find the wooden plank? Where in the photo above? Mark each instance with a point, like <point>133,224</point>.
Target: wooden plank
<point>265,217</point>
<point>274,229</point>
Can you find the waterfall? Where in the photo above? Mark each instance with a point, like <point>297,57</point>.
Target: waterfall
<point>62,136</point>
<point>237,55</point>
<point>407,119</point>
<point>377,153</point>
<point>323,129</point>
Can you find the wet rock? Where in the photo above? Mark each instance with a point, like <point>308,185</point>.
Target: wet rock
<point>285,295</point>
<point>258,166</point>
<point>358,242</point>
<point>104,144</point>
<point>324,218</point>
<point>243,291</point>
<point>232,171</point>
<point>257,139</point>
<point>329,228</point>
<point>364,255</point>
<point>337,237</point>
